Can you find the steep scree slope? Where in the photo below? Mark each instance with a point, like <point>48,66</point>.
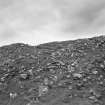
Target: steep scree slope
<point>57,73</point>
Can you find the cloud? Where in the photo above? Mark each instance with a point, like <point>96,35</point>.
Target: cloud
<point>87,16</point>
<point>91,11</point>
<point>50,20</point>
<point>25,16</point>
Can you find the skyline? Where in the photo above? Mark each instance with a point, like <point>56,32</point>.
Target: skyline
<point>36,22</point>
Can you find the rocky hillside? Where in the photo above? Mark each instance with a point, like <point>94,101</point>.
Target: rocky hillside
<point>57,73</point>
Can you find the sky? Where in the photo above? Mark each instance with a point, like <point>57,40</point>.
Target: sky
<point>40,21</point>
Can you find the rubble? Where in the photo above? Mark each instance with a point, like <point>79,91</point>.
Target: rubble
<point>51,73</point>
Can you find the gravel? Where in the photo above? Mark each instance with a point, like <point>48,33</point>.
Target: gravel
<point>57,73</point>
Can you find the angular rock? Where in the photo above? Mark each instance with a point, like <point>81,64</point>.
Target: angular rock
<point>69,70</point>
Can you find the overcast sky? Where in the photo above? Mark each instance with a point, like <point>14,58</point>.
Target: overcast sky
<point>40,21</point>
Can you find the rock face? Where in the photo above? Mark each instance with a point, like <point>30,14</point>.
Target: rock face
<point>58,73</point>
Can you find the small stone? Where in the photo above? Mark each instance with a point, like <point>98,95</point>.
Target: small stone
<point>52,71</point>
<point>42,90</point>
<point>70,69</point>
<point>30,71</point>
<point>70,87</point>
<point>101,83</point>
<point>33,102</point>
<point>68,76</point>
<point>13,95</point>
<point>77,75</point>
<point>28,104</point>
<point>2,79</point>
<point>84,79</point>
<point>101,76</point>
<point>88,77</point>
<point>46,81</point>
<point>92,97</point>
<point>95,93</point>
<point>55,78</point>
<point>24,76</point>
<point>95,72</point>
<point>102,66</point>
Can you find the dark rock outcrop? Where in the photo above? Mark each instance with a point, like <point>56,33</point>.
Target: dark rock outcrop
<point>64,73</point>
